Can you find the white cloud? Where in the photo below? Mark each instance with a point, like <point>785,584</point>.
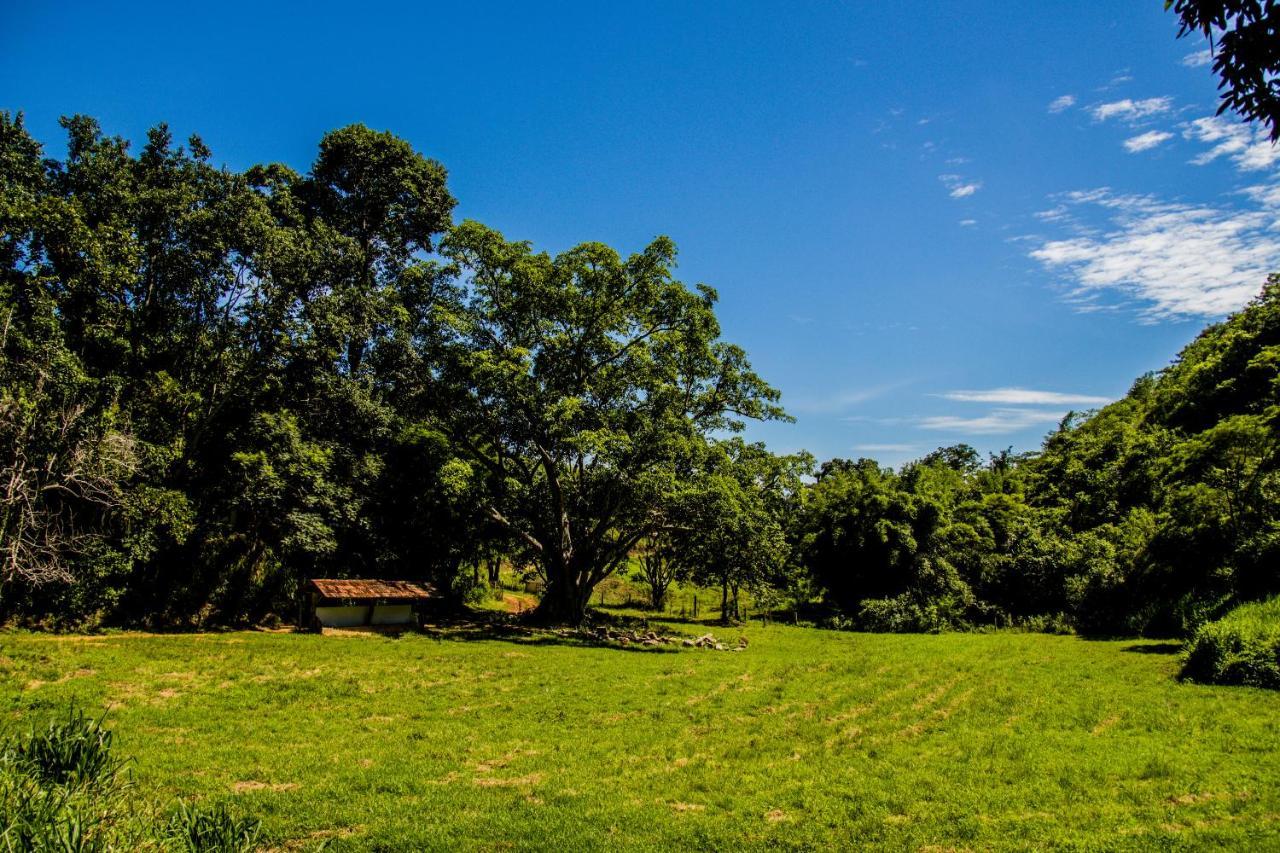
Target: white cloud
<point>959,187</point>
<point>1146,141</point>
<point>1198,59</point>
<point>967,223</point>
<point>1063,102</point>
<point>1247,146</point>
<point>1025,397</point>
<point>1130,110</point>
<point>1179,260</point>
<point>1266,195</point>
<point>885,448</point>
<point>997,421</point>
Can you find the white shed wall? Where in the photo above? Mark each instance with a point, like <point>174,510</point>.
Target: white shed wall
<point>356,615</point>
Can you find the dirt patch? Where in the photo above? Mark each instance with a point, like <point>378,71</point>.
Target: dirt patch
<point>687,807</point>
<point>934,695</point>
<point>37,683</point>
<point>254,785</point>
<point>1105,724</point>
<point>1207,797</point>
<point>775,816</point>
<point>501,761</point>
<point>741,681</point>
<point>517,782</point>
<point>512,603</point>
<point>323,836</point>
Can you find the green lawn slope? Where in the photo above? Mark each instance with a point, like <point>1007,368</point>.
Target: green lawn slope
<point>805,739</point>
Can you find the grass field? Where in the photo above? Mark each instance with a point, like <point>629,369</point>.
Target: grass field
<point>806,739</point>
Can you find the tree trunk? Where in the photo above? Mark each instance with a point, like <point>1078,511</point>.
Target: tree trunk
<point>657,597</point>
<point>562,602</point>
<point>568,590</point>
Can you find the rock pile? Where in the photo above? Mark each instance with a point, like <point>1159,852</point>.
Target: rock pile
<point>651,638</point>
<point>638,637</point>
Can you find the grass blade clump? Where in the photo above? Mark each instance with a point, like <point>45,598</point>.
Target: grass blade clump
<point>1242,647</point>
<point>212,829</point>
<point>74,752</point>
<point>60,788</point>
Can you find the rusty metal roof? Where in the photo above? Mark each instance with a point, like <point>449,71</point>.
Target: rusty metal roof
<point>354,589</point>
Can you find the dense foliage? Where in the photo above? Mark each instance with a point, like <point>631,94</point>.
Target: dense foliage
<point>1242,647</point>
<point>213,384</point>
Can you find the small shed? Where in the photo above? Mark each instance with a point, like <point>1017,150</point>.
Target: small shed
<point>349,603</point>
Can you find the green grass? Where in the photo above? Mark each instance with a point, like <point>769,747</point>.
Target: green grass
<point>807,739</point>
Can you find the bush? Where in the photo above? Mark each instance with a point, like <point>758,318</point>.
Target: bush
<point>1242,647</point>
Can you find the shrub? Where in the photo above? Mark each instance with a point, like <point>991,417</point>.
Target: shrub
<point>1242,647</point>
<point>212,829</point>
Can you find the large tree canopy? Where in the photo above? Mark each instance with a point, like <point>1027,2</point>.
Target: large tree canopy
<point>582,387</point>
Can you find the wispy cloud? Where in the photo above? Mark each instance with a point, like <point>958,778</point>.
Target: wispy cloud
<point>958,186</point>
<point>1130,110</point>
<point>886,448</point>
<point>1025,397</point>
<point>1062,102</point>
<point>995,422</point>
<point>1054,214</point>
<point>1146,141</point>
<point>1177,259</point>
<point>1249,147</point>
<point>968,223</point>
<point>1198,59</point>
<point>839,401</point>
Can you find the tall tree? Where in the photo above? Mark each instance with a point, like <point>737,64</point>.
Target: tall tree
<point>580,388</point>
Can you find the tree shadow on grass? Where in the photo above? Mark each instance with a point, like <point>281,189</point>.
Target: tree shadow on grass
<point>1155,648</point>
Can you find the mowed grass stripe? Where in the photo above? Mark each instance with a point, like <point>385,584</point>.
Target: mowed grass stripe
<point>807,739</point>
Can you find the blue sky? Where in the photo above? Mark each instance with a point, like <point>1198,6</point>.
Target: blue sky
<point>927,225</point>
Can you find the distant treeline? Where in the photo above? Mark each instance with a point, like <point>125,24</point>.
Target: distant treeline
<point>216,383</point>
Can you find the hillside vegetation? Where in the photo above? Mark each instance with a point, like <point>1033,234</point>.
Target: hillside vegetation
<point>214,384</point>
<point>1148,516</point>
